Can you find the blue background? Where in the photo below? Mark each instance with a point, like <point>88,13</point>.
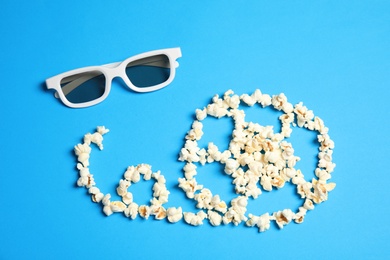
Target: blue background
<point>332,55</point>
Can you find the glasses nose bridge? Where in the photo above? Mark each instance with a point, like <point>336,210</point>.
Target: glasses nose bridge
<point>113,70</point>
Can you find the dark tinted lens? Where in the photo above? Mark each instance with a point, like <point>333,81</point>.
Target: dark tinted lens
<point>84,87</point>
<point>149,71</point>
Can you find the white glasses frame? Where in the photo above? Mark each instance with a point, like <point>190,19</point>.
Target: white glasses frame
<point>113,70</point>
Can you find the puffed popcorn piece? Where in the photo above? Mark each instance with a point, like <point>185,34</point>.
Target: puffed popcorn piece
<point>107,205</point>
<point>202,153</point>
<point>189,170</point>
<point>117,206</point>
<point>320,126</point>
<point>322,174</point>
<point>326,142</point>
<point>201,114</point>
<point>159,212</point>
<point>204,198</point>
<point>127,198</point>
<point>93,190</point>
<point>266,182</point>
<point>279,101</point>
<point>106,201</point>
<point>277,182</point>
<point>236,213</point>
<point>194,134</point>
<point>303,114</point>
<point>144,211</point>
<point>283,217</point>
<point>304,189</point>
<point>82,152</point>
<point>159,189</point>
<point>189,152</point>
<point>95,138</point>
<point>132,174</point>
<point>174,214</point>
<point>252,220</point>
<point>218,205</point>
<point>264,222</point>
<point>131,211</point>
<point>252,190</point>
<point>86,181</point>
<point>309,205</point>
<point>216,110</point>
<point>213,152</point>
<point>249,100</point>
<point>232,101</point>
<point>214,218</point>
<point>121,190</point>
<point>97,197</point>
<point>265,100</point>
<point>195,219</point>
<point>231,166</point>
<point>107,210</point>
<point>321,190</point>
<point>145,170</point>
<point>86,178</point>
<point>102,130</point>
<point>300,215</point>
<point>298,178</point>
<point>189,186</point>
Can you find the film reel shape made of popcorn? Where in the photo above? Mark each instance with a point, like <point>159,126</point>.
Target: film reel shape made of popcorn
<point>256,156</point>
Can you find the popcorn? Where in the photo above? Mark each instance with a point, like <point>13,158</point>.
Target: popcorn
<point>284,217</point>
<point>127,198</point>
<point>159,212</point>
<point>262,222</point>
<point>189,187</point>
<point>256,155</point>
<point>196,132</point>
<point>214,218</point>
<point>132,174</point>
<point>131,211</point>
<point>231,166</point>
<point>194,219</point>
<point>144,211</point>
<point>145,170</point>
<point>217,204</point>
<point>82,152</point>
<point>107,210</point>
<point>96,195</point>
<point>308,204</point>
<point>122,188</point>
<point>86,178</point>
<point>300,216</point>
<point>204,199</point>
<point>174,214</point>
<point>107,205</point>
<point>232,101</point>
<point>117,206</point>
<point>189,170</point>
<point>279,102</point>
<point>201,114</point>
<point>236,212</point>
<point>303,114</point>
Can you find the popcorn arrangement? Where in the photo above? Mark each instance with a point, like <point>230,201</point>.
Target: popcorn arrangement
<point>256,156</point>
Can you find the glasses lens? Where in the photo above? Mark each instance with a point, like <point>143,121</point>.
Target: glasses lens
<point>84,87</point>
<point>150,71</point>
